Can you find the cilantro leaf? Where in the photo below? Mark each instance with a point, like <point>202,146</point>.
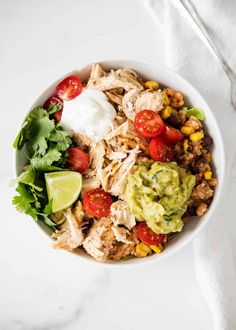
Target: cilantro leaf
<point>27,202</point>
<point>37,113</point>
<point>28,177</point>
<point>23,135</point>
<point>61,137</point>
<point>20,138</point>
<point>46,212</point>
<point>42,163</point>
<point>24,202</point>
<point>48,208</point>
<point>47,220</point>
<point>39,132</point>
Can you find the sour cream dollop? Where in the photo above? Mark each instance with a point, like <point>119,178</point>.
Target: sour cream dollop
<point>90,113</point>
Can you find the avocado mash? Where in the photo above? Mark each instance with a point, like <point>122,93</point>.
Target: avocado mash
<point>158,194</point>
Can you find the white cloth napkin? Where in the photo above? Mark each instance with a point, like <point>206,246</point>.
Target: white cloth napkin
<point>187,54</point>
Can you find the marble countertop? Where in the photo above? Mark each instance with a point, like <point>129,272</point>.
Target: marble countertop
<point>46,289</point>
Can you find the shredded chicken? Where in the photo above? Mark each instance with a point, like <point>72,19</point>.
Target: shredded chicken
<point>97,71</point>
<point>90,183</point>
<point>152,100</point>
<point>135,101</point>
<point>62,237</point>
<point>70,235</point>
<point>128,103</point>
<point>116,155</point>
<point>123,250</point>
<point>115,96</point>
<point>96,154</point>
<point>96,158</point>
<point>124,137</point>
<point>123,147</point>
<point>104,241</point>
<point>109,172</point>
<point>82,140</point>
<point>120,214</point>
<point>121,78</point>
<point>99,241</point>
<point>114,178</point>
<point>121,234</point>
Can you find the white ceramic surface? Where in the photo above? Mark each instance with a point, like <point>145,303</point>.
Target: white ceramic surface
<point>165,77</point>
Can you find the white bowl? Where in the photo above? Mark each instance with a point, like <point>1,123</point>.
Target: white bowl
<point>166,77</point>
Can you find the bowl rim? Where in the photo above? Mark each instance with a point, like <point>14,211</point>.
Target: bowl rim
<point>220,188</point>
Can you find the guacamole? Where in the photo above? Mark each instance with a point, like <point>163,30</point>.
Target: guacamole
<point>158,194</point>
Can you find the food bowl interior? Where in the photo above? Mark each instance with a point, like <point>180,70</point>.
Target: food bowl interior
<point>165,77</point>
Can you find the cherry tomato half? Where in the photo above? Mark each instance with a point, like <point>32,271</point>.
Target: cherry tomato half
<point>146,235</point>
<point>160,150</point>
<point>77,159</point>
<point>54,100</point>
<point>69,88</point>
<point>148,123</point>
<point>97,202</point>
<point>172,135</point>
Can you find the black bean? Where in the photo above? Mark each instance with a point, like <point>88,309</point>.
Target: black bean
<point>191,210</point>
<point>193,169</point>
<point>174,121</point>
<point>200,159</point>
<point>207,141</point>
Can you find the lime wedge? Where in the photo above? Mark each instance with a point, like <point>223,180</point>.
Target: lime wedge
<point>63,188</point>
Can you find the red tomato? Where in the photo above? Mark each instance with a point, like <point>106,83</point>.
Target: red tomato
<point>160,150</point>
<point>172,135</point>
<point>69,88</point>
<point>51,101</point>
<point>97,202</point>
<point>148,123</point>
<point>146,235</point>
<point>77,159</point>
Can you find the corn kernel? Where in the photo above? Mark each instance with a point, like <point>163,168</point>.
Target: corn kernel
<point>142,250</point>
<point>167,112</point>
<point>166,99</point>
<point>185,145</point>
<point>208,175</point>
<point>186,130</point>
<point>157,248</point>
<point>196,137</point>
<point>152,84</point>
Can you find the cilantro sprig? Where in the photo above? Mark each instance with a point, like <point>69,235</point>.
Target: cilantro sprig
<point>45,143</point>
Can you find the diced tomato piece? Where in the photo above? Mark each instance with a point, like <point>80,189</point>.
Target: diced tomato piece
<point>77,159</point>
<point>172,135</point>
<point>97,202</point>
<point>54,100</point>
<point>148,123</point>
<point>146,235</point>
<point>69,88</point>
<point>160,150</point>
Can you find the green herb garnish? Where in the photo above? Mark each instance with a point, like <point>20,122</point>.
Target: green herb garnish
<point>46,143</point>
